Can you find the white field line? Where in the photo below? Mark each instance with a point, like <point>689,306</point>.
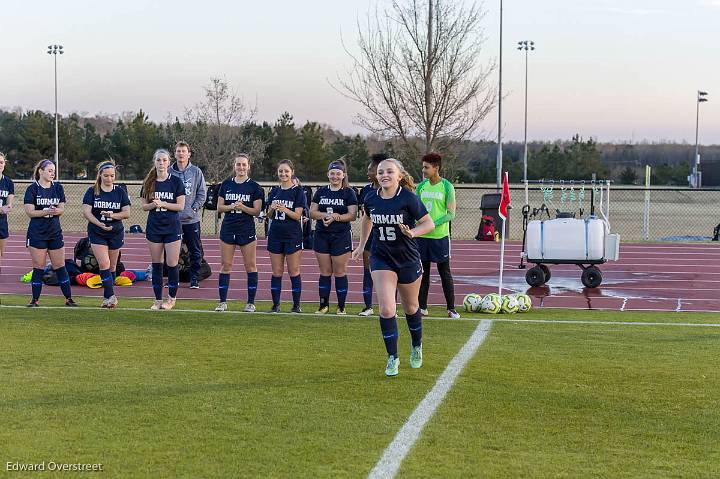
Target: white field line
<point>389,463</point>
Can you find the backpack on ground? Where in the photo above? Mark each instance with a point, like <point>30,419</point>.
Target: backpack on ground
<point>211,198</point>
<point>716,233</point>
<point>486,231</point>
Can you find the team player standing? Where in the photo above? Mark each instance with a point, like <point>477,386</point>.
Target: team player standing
<point>7,196</point>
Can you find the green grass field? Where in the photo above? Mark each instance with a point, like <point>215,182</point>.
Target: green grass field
<point>190,394</point>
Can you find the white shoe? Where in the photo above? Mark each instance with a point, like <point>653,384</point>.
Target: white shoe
<point>424,312</point>
<point>112,302</point>
<point>249,308</point>
<point>169,303</point>
<point>222,306</point>
<point>366,312</point>
<point>157,305</point>
<point>452,314</point>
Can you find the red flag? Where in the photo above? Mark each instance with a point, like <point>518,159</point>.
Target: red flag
<point>505,198</point>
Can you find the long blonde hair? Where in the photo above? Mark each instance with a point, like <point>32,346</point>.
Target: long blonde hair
<point>406,181</point>
<point>148,187</point>
<point>103,165</point>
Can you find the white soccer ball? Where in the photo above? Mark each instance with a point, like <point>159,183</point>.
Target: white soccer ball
<point>510,304</point>
<point>491,303</point>
<point>472,302</point>
<point>524,302</point>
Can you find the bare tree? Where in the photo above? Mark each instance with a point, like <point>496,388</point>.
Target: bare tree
<point>220,127</point>
<point>418,75</point>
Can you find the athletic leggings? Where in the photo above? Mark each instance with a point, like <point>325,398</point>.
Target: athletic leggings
<point>448,285</point>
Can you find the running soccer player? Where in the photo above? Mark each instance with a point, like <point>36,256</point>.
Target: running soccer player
<point>395,216</point>
<point>241,199</point>
<point>369,188</point>
<point>105,205</point>
<point>333,207</point>
<point>7,195</point>
<point>284,240</point>
<point>195,193</point>
<point>163,197</point>
<point>44,203</point>
<point>438,196</point>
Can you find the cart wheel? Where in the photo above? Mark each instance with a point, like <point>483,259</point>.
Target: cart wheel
<point>591,277</point>
<point>546,272</point>
<point>535,276</point>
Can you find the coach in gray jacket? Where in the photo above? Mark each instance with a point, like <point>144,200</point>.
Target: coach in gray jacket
<point>195,192</point>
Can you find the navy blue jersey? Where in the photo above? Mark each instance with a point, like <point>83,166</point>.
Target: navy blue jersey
<point>329,202</point>
<point>369,188</point>
<point>282,227</point>
<point>388,242</point>
<point>113,200</point>
<point>237,221</point>
<point>160,220</point>
<point>7,188</point>
<point>41,198</point>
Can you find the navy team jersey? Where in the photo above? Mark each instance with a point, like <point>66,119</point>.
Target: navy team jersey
<point>329,202</point>
<point>237,222</point>
<point>160,220</point>
<point>281,227</point>
<point>388,242</point>
<point>45,227</point>
<point>369,188</point>
<point>113,201</point>
<point>7,188</point>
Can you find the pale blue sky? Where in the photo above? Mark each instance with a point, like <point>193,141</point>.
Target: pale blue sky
<point>616,70</point>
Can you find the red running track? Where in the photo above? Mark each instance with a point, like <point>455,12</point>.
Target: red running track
<point>648,277</point>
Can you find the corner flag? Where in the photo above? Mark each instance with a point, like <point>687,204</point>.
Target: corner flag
<point>505,198</point>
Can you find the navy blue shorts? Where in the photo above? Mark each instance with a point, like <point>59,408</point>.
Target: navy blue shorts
<point>276,246</point>
<point>4,231</point>
<point>49,244</point>
<point>334,244</point>
<point>406,274</point>
<point>113,240</point>
<point>163,238</point>
<point>238,240</point>
<point>434,250</point>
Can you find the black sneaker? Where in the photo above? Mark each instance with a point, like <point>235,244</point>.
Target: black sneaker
<point>70,302</point>
<point>194,284</point>
<point>296,309</point>
<point>275,308</point>
<point>34,303</point>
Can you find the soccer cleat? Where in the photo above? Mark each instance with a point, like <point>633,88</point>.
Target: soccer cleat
<point>296,309</point>
<point>157,305</point>
<point>109,303</point>
<point>222,306</point>
<point>69,302</point>
<point>341,312</point>
<point>275,308</point>
<point>169,303</point>
<point>323,309</point>
<point>416,357</point>
<point>249,308</point>
<point>424,312</point>
<point>452,314</point>
<point>366,312</point>
<point>34,303</point>
<point>392,367</point>
<point>194,284</point>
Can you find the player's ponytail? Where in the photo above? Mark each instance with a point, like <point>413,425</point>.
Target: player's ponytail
<point>103,165</point>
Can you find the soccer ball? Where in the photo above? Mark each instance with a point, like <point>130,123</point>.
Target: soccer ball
<point>510,304</point>
<point>472,302</point>
<point>524,302</point>
<point>89,263</point>
<point>491,303</point>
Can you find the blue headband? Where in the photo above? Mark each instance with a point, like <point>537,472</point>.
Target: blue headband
<point>336,166</point>
<point>105,166</point>
<point>45,163</point>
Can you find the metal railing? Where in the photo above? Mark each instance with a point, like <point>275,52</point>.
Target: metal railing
<point>674,213</point>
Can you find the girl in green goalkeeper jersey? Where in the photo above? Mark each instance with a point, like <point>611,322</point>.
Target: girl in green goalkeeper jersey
<point>438,196</point>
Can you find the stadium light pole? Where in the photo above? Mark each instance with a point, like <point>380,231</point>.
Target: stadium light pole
<point>56,50</point>
<point>696,179</point>
<point>527,45</point>
<point>498,162</point>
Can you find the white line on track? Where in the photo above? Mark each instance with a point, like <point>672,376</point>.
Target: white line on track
<point>394,454</point>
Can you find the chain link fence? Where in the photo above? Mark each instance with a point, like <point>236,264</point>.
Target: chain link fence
<point>674,214</point>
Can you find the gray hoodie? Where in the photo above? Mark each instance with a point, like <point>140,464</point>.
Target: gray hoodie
<point>195,191</point>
